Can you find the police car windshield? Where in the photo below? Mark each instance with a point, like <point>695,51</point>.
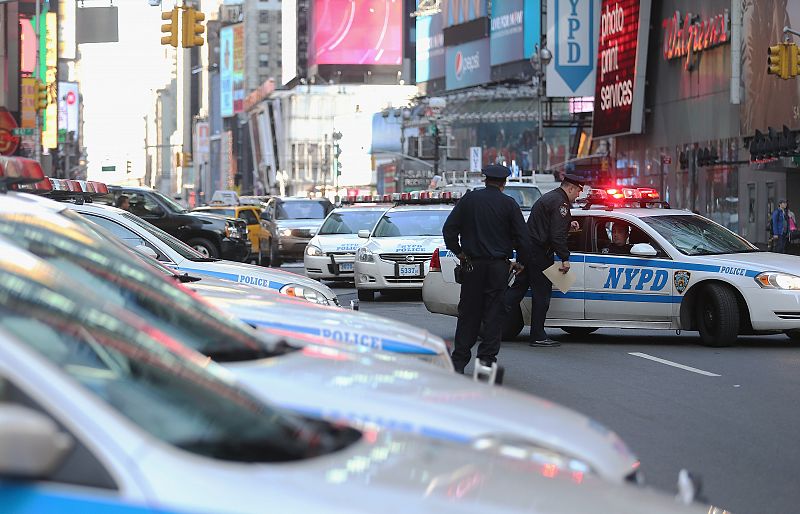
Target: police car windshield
<point>696,235</point>
<point>524,196</point>
<point>149,378</point>
<point>301,210</point>
<point>349,222</point>
<point>411,223</point>
<point>94,258</point>
<point>181,248</point>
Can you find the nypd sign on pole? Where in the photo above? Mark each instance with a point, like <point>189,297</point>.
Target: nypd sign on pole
<point>475,158</point>
<point>572,33</point>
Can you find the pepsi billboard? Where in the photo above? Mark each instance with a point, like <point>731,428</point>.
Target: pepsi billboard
<point>468,64</point>
<point>430,48</point>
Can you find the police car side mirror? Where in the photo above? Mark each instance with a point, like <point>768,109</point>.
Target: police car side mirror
<point>33,445</point>
<point>643,250</point>
<point>146,251</point>
<point>363,234</point>
<point>313,231</point>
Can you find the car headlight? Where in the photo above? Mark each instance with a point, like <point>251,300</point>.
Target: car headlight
<point>305,293</point>
<point>365,255</point>
<point>287,232</point>
<point>314,251</point>
<point>232,232</point>
<point>778,280</point>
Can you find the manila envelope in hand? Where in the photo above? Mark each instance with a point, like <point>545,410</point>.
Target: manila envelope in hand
<point>562,281</point>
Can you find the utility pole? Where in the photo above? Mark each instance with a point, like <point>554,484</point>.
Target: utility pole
<point>539,61</point>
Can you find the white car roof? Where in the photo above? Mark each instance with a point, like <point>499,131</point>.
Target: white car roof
<point>635,212</point>
<point>422,207</point>
<point>355,208</point>
<point>23,201</point>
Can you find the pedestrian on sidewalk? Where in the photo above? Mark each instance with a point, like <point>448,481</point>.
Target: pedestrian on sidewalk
<point>483,230</point>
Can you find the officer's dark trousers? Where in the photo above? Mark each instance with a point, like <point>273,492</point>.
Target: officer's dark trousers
<point>541,287</point>
<point>482,292</point>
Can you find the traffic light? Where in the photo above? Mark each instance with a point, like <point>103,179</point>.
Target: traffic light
<point>192,28</point>
<point>774,144</point>
<point>338,169</point>
<point>127,166</point>
<point>40,96</point>
<point>171,28</point>
<point>778,60</point>
<point>793,53</point>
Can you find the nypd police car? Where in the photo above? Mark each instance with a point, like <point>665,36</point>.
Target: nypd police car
<point>397,252</point>
<point>637,266</point>
<point>331,253</point>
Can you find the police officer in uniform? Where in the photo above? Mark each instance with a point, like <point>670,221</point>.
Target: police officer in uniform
<point>490,226</point>
<point>549,224</point>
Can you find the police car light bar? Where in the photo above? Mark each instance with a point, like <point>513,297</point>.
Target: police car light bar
<point>15,171</point>
<point>619,197</point>
<point>426,197</point>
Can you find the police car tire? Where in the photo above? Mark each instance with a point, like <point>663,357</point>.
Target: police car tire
<point>721,300</point>
<point>513,325</point>
<point>579,331</point>
<point>366,295</point>
<point>199,242</point>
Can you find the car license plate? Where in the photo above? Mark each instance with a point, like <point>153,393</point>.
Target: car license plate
<point>346,266</point>
<point>408,270</point>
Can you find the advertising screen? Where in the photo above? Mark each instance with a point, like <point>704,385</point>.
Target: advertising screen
<point>366,32</point>
<point>456,12</point>
<point>226,71</point>
<point>621,62</point>
<point>238,68</point>
<point>507,31</point>
<point>430,48</point>
<point>68,107</point>
<point>288,41</point>
<point>468,64</point>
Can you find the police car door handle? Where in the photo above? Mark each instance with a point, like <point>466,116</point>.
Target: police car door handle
<point>599,266</point>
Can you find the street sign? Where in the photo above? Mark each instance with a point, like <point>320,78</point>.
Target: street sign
<point>108,168</point>
<point>24,131</point>
<point>475,158</point>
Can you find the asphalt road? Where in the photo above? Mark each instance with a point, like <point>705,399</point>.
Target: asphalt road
<point>729,414</point>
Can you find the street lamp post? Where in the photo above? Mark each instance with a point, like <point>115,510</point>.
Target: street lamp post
<point>539,60</point>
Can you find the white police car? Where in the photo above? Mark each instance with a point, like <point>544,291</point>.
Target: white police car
<point>331,253</point>
<point>95,401</point>
<point>669,269</point>
<point>397,252</point>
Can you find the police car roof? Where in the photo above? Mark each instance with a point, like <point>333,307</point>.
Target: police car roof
<point>363,207</point>
<point>637,212</point>
<point>423,207</point>
<point>13,202</point>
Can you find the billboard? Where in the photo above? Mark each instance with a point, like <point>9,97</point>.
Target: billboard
<point>226,71</point>
<point>621,67</point>
<point>468,64</point>
<point>27,39</point>
<point>288,41</point>
<point>238,68</point>
<point>456,12</point>
<point>572,34</point>
<point>68,107</point>
<point>67,21</point>
<point>356,32</point>
<point>507,39</point>
<point>430,48</point>
<point>48,70</point>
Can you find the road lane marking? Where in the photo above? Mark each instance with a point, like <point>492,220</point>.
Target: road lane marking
<point>674,364</point>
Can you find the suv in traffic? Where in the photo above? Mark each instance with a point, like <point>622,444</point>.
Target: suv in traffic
<point>214,236</point>
<point>292,223</point>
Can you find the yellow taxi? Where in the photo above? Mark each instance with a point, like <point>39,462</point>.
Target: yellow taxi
<point>261,247</point>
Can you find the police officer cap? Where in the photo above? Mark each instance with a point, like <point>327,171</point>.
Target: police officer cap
<point>496,171</point>
<point>574,179</point>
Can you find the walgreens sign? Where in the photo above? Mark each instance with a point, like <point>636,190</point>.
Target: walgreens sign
<point>621,63</point>
<point>690,34</point>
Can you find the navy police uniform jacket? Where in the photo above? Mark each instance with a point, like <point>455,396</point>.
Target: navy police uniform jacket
<point>549,224</point>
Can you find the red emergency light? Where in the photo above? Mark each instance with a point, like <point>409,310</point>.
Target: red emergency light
<point>15,171</point>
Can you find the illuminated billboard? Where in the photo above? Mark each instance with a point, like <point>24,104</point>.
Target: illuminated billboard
<point>238,68</point>
<point>621,63</point>
<point>365,32</point>
<point>456,12</point>
<point>468,64</point>
<point>430,48</point>
<point>507,31</point>
<point>226,71</point>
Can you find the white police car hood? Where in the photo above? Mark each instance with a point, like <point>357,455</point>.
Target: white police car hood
<point>342,326</point>
<point>751,264</point>
<point>413,396</point>
<point>421,244</point>
<point>258,276</point>
<point>391,473</point>
<point>337,242</point>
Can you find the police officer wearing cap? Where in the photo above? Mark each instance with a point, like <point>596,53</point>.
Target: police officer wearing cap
<point>483,230</point>
<point>549,224</point>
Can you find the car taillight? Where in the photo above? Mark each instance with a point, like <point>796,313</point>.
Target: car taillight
<point>436,265</point>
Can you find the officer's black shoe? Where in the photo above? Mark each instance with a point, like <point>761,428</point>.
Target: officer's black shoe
<point>547,343</point>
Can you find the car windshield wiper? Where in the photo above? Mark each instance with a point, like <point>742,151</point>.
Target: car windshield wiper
<point>186,278</point>
<point>202,259</point>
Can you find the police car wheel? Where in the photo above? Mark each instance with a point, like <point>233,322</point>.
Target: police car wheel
<point>366,295</point>
<point>794,335</point>
<point>717,315</point>
<point>204,246</point>
<point>579,331</point>
<point>513,325</point>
